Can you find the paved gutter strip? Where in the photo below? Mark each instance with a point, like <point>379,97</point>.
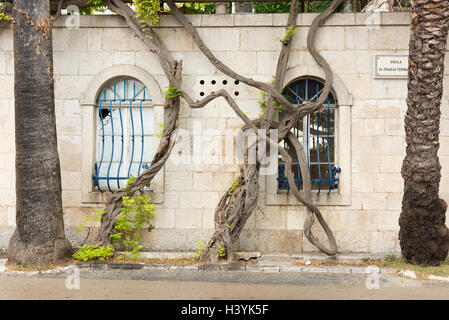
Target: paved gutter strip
<point>225,266</point>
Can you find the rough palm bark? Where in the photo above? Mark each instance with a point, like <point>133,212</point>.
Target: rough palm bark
<point>39,237</point>
<point>424,237</point>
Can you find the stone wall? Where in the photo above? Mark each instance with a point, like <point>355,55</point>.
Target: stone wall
<point>371,135</point>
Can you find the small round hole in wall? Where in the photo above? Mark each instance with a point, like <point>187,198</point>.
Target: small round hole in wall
<point>236,93</point>
<point>213,82</point>
<point>225,82</point>
<point>236,82</point>
<point>202,82</point>
<point>201,93</point>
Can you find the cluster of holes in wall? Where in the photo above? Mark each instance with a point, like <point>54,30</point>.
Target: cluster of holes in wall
<point>214,82</point>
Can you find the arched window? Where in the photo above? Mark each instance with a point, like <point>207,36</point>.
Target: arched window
<point>125,126</point>
<point>317,134</point>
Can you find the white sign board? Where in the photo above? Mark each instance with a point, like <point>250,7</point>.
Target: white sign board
<point>391,66</point>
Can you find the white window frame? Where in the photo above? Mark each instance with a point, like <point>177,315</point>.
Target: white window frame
<point>342,196</point>
<point>89,110</point>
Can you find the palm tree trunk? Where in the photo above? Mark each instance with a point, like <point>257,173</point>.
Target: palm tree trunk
<point>39,237</point>
<point>424,237</point>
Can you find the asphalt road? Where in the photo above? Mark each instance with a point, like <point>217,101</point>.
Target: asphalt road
<point>180,285</point>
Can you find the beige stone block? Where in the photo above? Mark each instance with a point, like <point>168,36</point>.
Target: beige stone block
<point>176,39</point>
<point>295,218</point>
<point>444,146</point>
<point>149,61</point>
<point>394,127</point>
<point>373,127</point>
<point>374,201</point>
<point>363,164</point>
<point>330,38</point>
<point>7,143</point>
<point>94,62</point>
<point>198,200</point>
<point>359,85</point>
<point>389,145</point>
<point>67,40</point>
<point>76,217</point>
<point>7,125</point>
<point>364,109</point>
<point>70,161</point>
<point>6,39</point>
<point>71,198</point>
<point>384,241</point>
<point>356,38</point>
<point>396,89</point>
<point>361,221</point>
<point>444,127</point>
<point>253,20</point>
<point>220,39</point>
<point>391,37</point>
<point>3,216</point>
<point>208,218</point>
<point>363,146</point>
<point>7,87</point>
<point>6,108</point>
<point>362,182</point>
<point>220,20</point>
<point>95,39</point>
<point>121,39</point>
<point>390,164</point>
<point>270,218</point>
<point>353,241</point>
<point>245,64</point>
<point>3,62</point>
<point>6,178</point>
<point>263,39</point>
<point>189,219</point>
<point>9,63</point>
<point>178,181</point>
<point>266,62</point>
<point>7,161</point>
<point>388,182</point>
<point>341,62</point>
<point>388,109</point>
<point>394,201</point>
<point>124,57</point>
<point>362,62</point>
<point>11,216</point>
<point>66,63</point>
<point>171,199</point>
<point>388,221</point>
<point>197,64</point>
<point>71,180</point>
<point>69,125</point>
<point>164,218</point>
<point>8,197</point>
<point>69,144</point>
<point>71,87</point>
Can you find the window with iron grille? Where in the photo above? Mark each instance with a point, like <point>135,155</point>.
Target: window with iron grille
<point>316,133</point>
<point>125,129</point>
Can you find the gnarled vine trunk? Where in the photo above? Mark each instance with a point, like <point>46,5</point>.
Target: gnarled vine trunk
<point>424,237</point>
<point>237,204</point>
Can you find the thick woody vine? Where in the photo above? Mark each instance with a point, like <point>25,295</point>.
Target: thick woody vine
<point>238,203</point>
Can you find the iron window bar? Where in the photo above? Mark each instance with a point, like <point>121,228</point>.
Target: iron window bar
<point>299,92</point>
<point>113,101</point>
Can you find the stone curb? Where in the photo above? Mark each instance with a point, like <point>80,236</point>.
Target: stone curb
<point>237,266</point>
<point>225,266</point>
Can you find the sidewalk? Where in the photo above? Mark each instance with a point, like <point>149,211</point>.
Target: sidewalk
<point>246,261</point>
